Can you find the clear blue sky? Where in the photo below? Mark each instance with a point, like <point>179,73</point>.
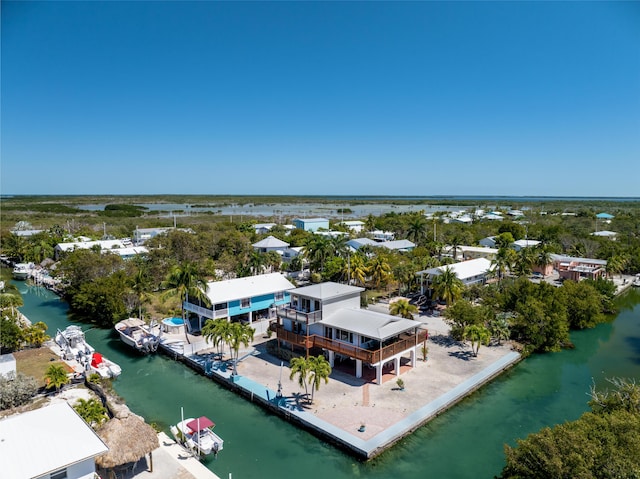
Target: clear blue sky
<point>453,98</point>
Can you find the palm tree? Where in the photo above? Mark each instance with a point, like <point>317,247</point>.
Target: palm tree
<point>355,270</point>
<point>184,281</point>
<point>56,377</point>
<point>339,246</point>
<point>300,367</point>
<point>36,335</point>
<point>92,411</point>
<point>478,335</point>
<point>417,229</point>
<point>216,331</point>
<point>524,262</point>
<point>10,297</point>
<point>317,249</point>
<point>403,308</point>
<point>380,270</point>
<point>239,334</point>
<point>447,285</point>
<point>617,264</point>
<point>319,369</point>
<point>503,261</point>
<point>542,257</point>
<point>256,262</point>
<point>140,285</point>
<point>499,328</point>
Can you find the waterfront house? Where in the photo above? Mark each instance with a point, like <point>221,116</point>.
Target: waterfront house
<point>574,268</point>
<point>121,247</point>
<point>52,442</point>
<point>474,271</point>
<point>252,300</point>
<point>326,318</point>
<point>311,224</point>
<point>270,243</point>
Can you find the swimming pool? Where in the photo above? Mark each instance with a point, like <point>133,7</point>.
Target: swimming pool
<point>173,321</point>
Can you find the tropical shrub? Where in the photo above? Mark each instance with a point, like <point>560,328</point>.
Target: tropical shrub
<point>16,391</point>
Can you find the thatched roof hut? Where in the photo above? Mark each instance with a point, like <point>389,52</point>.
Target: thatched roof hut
<point>129,439</point>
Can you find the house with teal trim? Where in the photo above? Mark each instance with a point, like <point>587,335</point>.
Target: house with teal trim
<point>311,224</point>
<point>252,300</point>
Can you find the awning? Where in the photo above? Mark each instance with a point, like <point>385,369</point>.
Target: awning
<point>199,424</point>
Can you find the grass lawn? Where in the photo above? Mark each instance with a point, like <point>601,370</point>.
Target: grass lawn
<point>35,362</point>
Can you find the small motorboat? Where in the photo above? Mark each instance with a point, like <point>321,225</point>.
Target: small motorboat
<point>137,334</point>
<point>197,436</point>
<point>21,271</point>
<point>104,367</point>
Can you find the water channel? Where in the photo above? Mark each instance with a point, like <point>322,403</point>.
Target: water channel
<point>466,442</point>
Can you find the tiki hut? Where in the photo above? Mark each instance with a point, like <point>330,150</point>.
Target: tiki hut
<point>129,439</point>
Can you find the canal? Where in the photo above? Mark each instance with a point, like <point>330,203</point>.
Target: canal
<point>466,442</point>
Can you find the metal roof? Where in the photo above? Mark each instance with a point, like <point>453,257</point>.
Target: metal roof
<point>270,242</point>
<point>464,269</point>
<point>249,287</point>
<point>38,442</point>
<point>369,323</point>
<point>560,257</point>
<point>326,290</point>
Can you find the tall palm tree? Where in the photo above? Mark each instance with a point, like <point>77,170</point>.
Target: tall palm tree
<point>216,331</point>
<point>503,261</point>
<point>56,377</point>
<point>355,269</point>
<point>417,229</point>
<point>542,257</point>
<point>140,286</point>
<point>300,368</point>
<point>239,334</point>
<point>185,281</point>
<point>403,308</point>
<point>339,246</point>
<point>256,262</point>
<point>477,335</point>
<point>448,286</point>
<point>319,370</point>
<point>317,249</point>
<point>379,270</point>
<point>525,259</point>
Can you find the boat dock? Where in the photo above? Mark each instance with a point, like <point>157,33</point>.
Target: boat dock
<point>356,415</point>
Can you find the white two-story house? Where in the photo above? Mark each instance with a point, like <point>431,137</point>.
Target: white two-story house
<point>326,318</point>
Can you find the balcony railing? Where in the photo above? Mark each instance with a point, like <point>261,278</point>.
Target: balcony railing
<point>206,312</point>
<point>302,316</point>
<point>371,356</point>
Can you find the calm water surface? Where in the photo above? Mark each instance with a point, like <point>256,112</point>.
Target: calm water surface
<point>466,442</point>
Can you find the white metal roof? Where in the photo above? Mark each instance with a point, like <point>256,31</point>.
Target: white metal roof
<point>45,440</point>
<point>312,220</point>
<point>605,233</point>
<point>369,323</point>
<point>249,287</point>
<point>104,244</point>
<point>526,243</point>
<point>326,290</point>
<point>574,259</point>
<point>397,244</point>
<point>464,269</point>
<point>270,242</point>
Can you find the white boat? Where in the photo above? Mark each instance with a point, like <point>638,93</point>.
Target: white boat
<point>74,347</point>
<point>137,334</point>
<point>197,436</point>
<point>104,367</point>
<point>21,271</point>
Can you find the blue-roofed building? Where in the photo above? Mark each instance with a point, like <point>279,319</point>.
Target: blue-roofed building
<point>604,216</point>
<point>311,224</point>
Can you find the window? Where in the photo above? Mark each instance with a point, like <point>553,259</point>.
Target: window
<point>61,474</point>
<point>279,296</point>
<point>344,336</point>
<point>245,303</point>
<point>220,306</point>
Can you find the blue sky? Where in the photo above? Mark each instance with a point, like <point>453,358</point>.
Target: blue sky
<point>393,98</point>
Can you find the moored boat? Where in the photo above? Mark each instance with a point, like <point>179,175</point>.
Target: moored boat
<point>73,346</point>
<point>21,271</point>
<point>197,436</point>
<point>104,367</point>
<point>137,334</point>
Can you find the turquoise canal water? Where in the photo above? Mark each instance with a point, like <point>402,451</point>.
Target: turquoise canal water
<point>465,442</point>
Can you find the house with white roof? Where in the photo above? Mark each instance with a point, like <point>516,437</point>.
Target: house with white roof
<point>52,442</point>
<point>354,225</point>
<point>270,243</point>
<point>397,245</point>
<point>605,234</point>
<point>121,247</point>
<point>311,224</point>
<point>252,299</point>
<point>379,235</point>
<point>471,252</point>
<point>262,228</point>
<point>474,271</point>
<point>574,268</point>
<point>524,243</point>
<point>326,318</point>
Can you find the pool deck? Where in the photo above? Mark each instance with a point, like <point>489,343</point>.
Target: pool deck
<point>357,415</point>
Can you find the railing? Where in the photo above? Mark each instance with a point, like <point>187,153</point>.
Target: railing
<point>371,356</point>
<point>206,312</point>
<point>291,313</point>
